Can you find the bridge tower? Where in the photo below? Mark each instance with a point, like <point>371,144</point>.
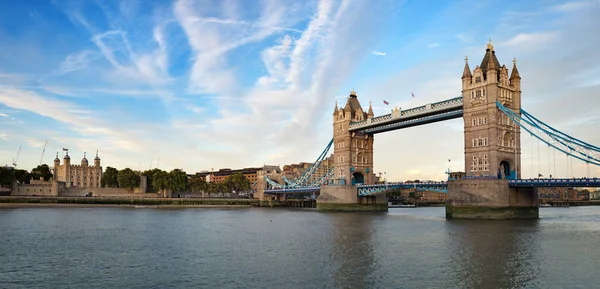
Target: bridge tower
<point>353,152</point>
<point>492,141</point>
<point>492,147</point>
<point>353,163</point>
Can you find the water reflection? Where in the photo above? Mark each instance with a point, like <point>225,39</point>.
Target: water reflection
<point>494,255</point>
<point>352,258</point>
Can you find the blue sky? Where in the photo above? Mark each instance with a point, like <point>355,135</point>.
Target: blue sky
<point>213,84</point>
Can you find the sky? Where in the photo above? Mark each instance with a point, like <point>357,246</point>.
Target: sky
<point>202,85</point>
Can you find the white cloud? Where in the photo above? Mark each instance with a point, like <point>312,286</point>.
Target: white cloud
<point>433,45</point>
<point>4,136</point>
<point>528,41</point>
<point>77,61</point>
<point>379,53</point>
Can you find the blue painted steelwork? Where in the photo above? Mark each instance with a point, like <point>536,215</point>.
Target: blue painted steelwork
<point>433,112</point>
<point>368,190</point>
<point>580,182</point>
<point>301,181</point>
<point>553,137</point>
<point>293,190</point>
<point>416,121</point>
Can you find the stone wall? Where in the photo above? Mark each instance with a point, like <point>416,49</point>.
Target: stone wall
<point>33,190</point>
<point>490,199</point>
<point>105,192</point>
<point>345,198</point>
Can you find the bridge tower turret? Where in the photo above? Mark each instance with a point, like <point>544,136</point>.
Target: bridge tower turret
<point>353,152</point>
<point>492,141</point>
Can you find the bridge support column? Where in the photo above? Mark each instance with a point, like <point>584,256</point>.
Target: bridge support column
<point>345,198</point>
<point>490,199</point>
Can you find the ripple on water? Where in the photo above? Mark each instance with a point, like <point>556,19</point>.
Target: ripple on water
<point>242,248</point>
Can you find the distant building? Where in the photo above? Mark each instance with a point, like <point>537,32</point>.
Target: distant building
<point>431,196</point>
<point>294,171</point>
<point>251,174</point>
<point>562,194</point>
<point>456,175</point>
<point>84,175</point>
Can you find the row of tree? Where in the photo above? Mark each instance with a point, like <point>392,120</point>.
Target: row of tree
<point>8,175</point>
<point>175,181</point>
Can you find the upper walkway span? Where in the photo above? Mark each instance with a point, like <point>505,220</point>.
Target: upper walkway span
<point>428,113</point>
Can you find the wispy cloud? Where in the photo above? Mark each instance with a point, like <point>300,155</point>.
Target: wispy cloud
<point>379,53</point>
<point>526,41</point>
<point>4,136</point>
<point>433,45</point>
<point>77,61</point>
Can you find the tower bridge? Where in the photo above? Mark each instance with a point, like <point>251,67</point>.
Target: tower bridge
<point>490,106</point>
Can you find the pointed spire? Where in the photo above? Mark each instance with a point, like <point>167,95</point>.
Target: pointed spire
<point>84,155</point>
<point>335,110</point>
<point>491,65</point>
<point>467,70</point>
<point>370,113</point>
<point>515,73</point>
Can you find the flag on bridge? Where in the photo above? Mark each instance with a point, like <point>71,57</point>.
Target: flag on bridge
<point>413,94</point>
<point>385,102</point>
<point>65,150</point>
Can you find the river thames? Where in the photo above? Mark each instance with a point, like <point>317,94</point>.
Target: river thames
<point>106,247</point>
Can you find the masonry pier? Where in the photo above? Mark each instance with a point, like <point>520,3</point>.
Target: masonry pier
<point>490,199</point>
<point>345,198</point>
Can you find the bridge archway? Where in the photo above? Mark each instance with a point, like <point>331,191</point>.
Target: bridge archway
<point>505,169</point>
<point>358,178</point>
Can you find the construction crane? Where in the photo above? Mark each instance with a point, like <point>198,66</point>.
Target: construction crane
<point>17,158</point>
<point>43,151</point>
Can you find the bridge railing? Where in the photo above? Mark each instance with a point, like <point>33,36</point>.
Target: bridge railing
<point>440,105</point>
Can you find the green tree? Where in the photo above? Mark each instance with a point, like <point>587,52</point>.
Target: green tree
<point>110,178</point>
<point>128,179</point>
<point>23,176</point>
<point>7,176</point>
<point>160,180</point>
<point>149,174</point>
<point>197,184</point>
<point>41,171</point>
<point>238,183</point>
<point>178,181</point>
<point>212,188</point>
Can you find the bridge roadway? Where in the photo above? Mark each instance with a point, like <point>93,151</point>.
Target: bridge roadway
<point>428,113</point>
<point>365,190</point>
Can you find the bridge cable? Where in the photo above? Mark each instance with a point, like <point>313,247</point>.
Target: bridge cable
<point>531,153</point>
<point>554,159</point>
<point>538,159</point>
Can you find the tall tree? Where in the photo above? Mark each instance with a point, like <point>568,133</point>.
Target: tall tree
<point>41,171</point>
<point>7,176</point>
<point>128,179</point>
<point>149,174</point>
<point>178,180</point>
<point>110,178</point>
<point>197,184</point>
<point>238,183</point>
<point>160,180</point>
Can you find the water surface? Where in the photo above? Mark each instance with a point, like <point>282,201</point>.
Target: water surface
<point>98,247</point>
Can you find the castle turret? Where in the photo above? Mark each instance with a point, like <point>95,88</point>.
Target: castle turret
<point>84,161</point>
<point>67,164</point>
<point>97,160</point>
<point>56,167</point>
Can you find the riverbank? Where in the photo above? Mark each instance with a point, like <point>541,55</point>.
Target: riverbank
<point>116,202</point>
